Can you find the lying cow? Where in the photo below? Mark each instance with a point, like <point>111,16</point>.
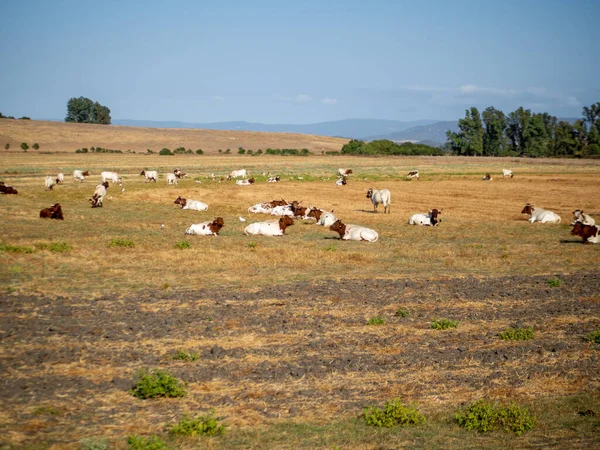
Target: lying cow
<point>274,180</point>
<point>270,228</point>
<point>193,205</point>
<point>54,212</point>
<point>341,182</point>
<point>589,233</point>
<point>487,177</point>
<point>323,218</point>
<point>79,175</point>
<point>344,172</point>
<point>413,174</point>
<point>540,214</point>
<point>248,182</point>
<point>429,219</point>
<point>151,175</point>
<point>264,208</point>
<point>206,228</point>
<point>99,194</point>
<point>350,232</point>
<point>241,173</point>
<point>382,196</point>
<point>4,189</point>
<point>580,216</point>
<point>507,173</point>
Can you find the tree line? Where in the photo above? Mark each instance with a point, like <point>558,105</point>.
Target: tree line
<point>84,110</point>
<point>387,147</point>
<point>523,133</point>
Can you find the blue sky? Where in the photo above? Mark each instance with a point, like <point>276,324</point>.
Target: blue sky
<point>298,62</point>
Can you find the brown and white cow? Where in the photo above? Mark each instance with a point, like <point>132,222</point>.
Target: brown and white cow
<point>194,205</point>
<point>4,189</point>
<point>350,232</point>
<point>270,228</point>
<point>179,174</point>
<point>589,233</point>
<point>99,194</point>
<point>487,177</point>
<point>540,214</point>
<point>344,172</point>
<point>429,219</point>
<point>206,228</point>
<point>413,174</point>
<point>54,212</point>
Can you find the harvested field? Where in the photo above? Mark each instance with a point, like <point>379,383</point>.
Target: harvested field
<point>286,355</point>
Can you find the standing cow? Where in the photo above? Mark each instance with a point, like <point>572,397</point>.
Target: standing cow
<point>382,196</point>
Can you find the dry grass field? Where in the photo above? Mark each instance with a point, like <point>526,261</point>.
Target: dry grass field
<point>280,325</point>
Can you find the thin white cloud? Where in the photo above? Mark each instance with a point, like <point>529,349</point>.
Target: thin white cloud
<point>303,98</point>
<point>472,89</point>
<point>217,98</point>
<point>329,101</point>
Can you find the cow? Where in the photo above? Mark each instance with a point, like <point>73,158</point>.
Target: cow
<point>580,216</point>
<point>4,189</point>
<point>151,175</point>
<point>270,228</point>
<point>323,218</point>
<point>540,215</point>
<point>99,194</point>
<point>350,232</point>
<point>206,228</point>
<point>382,196</point>
<point>341,182</point>
<point>248,182</point>
<point>241,173</point>
<point>487,177</point>
<point>49,183</point>
<point>54,212</point>
<point>171,179</point>
<point>507,173</point>
<point>60,178</point>
<point>193,205</point>
<point>413,174</point>
<point>429,219</point>
<point>283,210</point>
<point>274,180</point>
<point>112,177</point>
<point>179,174</point>
<point>344,172</point>
<point>589,233</point>
<point>264,208</point>
<point>79,175</point>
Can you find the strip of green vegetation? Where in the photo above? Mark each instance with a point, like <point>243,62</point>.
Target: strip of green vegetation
<point>376,321</point>
<point>127,243</point>
<point>208,425</point>
<point>393,413</point>
<point>443,324</point>
<point>8,248</point>
<point>517,334</point>
<point>485,416</point>
<point>182,355</point>
<point>157,384</point>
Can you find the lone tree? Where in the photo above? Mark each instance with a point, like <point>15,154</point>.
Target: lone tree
<point>83,110</point>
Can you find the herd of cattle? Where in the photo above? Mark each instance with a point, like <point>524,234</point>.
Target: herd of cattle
<point>583,224</point>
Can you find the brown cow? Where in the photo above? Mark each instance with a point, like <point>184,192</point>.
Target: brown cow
<point>4,189</point>
<point>589,233</point>
<point>54,212</point>
<point>487,177</point>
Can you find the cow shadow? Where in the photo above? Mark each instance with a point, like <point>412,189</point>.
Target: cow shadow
<point>565,241</point>
<point>370,211</point>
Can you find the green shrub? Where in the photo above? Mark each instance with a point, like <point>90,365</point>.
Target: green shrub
<point>4,247</point>
<point>165,151</point>
<point>157,384</point>
<point>393,413</point>
<point>184,356</point>
<point>375,321</point>
<point>594,336</point>
<point>484,416</point>
<point>24,146</point>
<point>252,245</point>
<point>199,152</point>
<point>517,334</point>
<point>182,245</point>
<point>402,312</point>
<point>241,150</point>
<point>6,146</point>
<point>93,443</point>
<point>121,243</point>
<point>331,248</point>
<point>443,324</point>
<point>57,247</point>
<point>198,426</point>
<point>554,282</point>
<point>36,146</point>
<point>141,443</point>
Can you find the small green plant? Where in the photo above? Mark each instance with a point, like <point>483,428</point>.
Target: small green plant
<point>46,411</point>
<point>484,416</point>
<point>6,146</point>
<point>376,321</point>
<point>402,312</point>
<point>57,247</point>
<point>157,384</point>
<point>35,146</point>
<point>182,355</point>
<point>24,146</point>
<point>198,426</point>
<point>122,243</point>
<point>443,324</point>
<point>165,151</point>
<point>331,248</point>
<point>93,443</point>
<point>199,152</point>
<point>594,336</point>
<point>252,245</point>
<point>182,245</point>
<point>15,248</point>
<point>393,413</point>
<point>554,282</point>
<point>517,334</point>
<point>141,443</point>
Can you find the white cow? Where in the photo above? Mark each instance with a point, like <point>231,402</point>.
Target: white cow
<point>270,228</point>
<point>79,175</point>
<point>248,182</point>
<point>49,183</point>
<point>151,175</point>
<point>350,232</point>
<point>283,210</point>
<point>413,174</point>
<point>540,214</point>
<point>344,172</point>
<point>60,178</point>
<point>341,182</point>
<point>429,219</point>
<point>99,194</point>
<point>241,173</point>
<point>507,173</point>
<point>206,228</point>
<point>580,216</point>
<point>193,205</point>
<point>111,176</point>
<point>382,196</point>
<point>264,208</point>
<point>171,179</point>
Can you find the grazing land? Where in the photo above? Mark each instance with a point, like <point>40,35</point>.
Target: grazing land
<point>286,347</point>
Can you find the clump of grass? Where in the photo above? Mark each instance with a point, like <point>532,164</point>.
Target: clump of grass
<point>157,384</point>
<point>93,443</point>
<point>141,443</point>
<point>46,410</point>
<point>376,321</point>
<point>331,248</point>
<point>402,312</point>
<point>393,413</point>
<point>198,426</point>
<point>127,243</point>
<point>594,336</point>
<point>57,247</point>
<point>554,282</point>
<point>443,324</point>
<point>252,245</point>
<point>182,355</point>
<point>484,416</point>
<point>517,334</point>
<point>182,245</point>
<point>4,247</point>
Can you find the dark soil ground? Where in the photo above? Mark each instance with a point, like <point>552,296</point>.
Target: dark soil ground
<point>301,352</point>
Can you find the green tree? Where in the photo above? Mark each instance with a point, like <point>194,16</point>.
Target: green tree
<point>36,146</point>
<point>535,137</point>
<point>494,140</point>
<point>517,123</point>
<point>6,146</point>
<point>84,110</point>
<point>24,146</point>
<point>565,143</point>
<point>469,140</point>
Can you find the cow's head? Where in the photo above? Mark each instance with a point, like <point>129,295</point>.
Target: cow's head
<point>216,225</point>
<point>105,184</point>
<point>315,212</point>
<point>434,213</point>
<point>143,172</point>
<point>251,180</point>
<point>528,209</point>
<point>284,222</point>
<point>338,227</point>
<point>87,173</point>
<point>577,229</point>
<point>370,193</point>
<point>180,201</point>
